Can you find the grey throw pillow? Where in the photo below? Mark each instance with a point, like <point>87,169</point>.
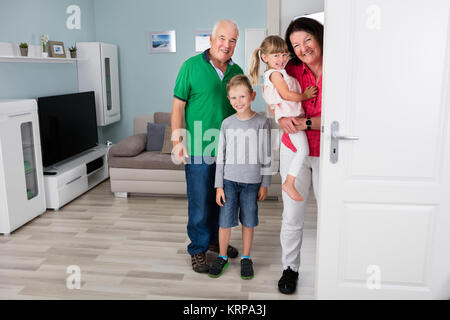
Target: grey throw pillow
<point>130,146</point>
<point>155,136</point>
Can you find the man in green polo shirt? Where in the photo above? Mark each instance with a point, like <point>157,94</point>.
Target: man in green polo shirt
<point>200,93</point>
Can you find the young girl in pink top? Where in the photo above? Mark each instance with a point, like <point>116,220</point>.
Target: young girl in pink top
<point>284,96</point>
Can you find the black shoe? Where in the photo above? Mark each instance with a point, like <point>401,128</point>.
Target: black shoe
<point>199,263</point>
<point>246,269</point>
<point>232,252</point>
<point>288,281</point>
<point>218,267</point>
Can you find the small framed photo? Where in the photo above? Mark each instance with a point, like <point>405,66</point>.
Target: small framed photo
<point>162,41</point>
<point>202,40</point>
<point>57,49</point>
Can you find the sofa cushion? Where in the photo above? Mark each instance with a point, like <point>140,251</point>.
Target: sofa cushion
<point>167,144</point>
<point>155,136</point>
<point>162,117</point>
<point>130,146</point>
<point>145,160</point>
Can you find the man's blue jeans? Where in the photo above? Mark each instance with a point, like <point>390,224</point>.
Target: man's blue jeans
<point>203,211</point>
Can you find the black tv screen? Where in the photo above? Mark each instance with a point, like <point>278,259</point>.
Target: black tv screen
<point>67,124</point>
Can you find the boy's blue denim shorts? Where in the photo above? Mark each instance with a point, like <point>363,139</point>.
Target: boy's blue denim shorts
<point>241,200</point>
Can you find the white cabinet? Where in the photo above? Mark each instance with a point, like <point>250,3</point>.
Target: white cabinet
<point>98,70</point>
<point>22,195</point>
<point>73,177</point>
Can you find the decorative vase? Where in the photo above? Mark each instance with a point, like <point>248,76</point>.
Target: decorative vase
<point>24,52</point>
<point>73,54</point>
<point>44,53</point>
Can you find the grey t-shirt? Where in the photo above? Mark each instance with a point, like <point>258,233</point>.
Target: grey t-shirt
<point>244,151</point>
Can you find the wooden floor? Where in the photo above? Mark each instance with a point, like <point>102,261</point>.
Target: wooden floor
<point>135,248</point>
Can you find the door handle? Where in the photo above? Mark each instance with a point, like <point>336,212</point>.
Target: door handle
<point>335,137</point>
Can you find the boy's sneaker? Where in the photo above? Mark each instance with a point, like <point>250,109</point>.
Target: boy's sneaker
<point>199,263</point>
<point>217,268</point>
<point>288,281</point>
<point>246,269</point>
<point>232,252</point>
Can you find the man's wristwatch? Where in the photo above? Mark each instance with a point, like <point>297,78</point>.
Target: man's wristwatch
<point>308,123</point>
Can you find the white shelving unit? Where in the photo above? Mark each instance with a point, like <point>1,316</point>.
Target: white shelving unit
<point>22,195</point>
<point>10,52</point>
<point>69,179</point>
<point>98,70</point>
<point>37,59</point>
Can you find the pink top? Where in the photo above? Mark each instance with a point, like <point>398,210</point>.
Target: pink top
<point>312,107</point>
<point>282,108</point>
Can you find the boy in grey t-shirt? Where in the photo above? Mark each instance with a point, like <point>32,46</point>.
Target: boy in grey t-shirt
<point>243,173</point>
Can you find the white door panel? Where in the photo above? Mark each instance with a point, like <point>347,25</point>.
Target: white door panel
<point>110,77</point>
<point>385,205</point>
<point>400,262</point>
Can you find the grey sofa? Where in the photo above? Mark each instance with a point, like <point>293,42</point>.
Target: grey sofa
<point>132,169</point>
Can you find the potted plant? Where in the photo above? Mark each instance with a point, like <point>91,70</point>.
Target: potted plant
<point>23,49</point>
<point>44,40</point>
<point>73,52</point>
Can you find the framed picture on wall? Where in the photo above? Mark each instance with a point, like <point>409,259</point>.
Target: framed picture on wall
<point>162,41</point>
<point>202,40</point>
<point>57,49</point>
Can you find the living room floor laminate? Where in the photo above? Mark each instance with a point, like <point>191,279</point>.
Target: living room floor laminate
<point>135,248</point>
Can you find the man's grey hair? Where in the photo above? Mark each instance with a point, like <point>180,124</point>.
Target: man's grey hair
<point>218,23</point>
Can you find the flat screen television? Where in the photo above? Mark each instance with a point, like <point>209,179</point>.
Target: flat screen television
<point>67,124</point>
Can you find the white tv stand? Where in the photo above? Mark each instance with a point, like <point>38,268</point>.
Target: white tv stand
<point>70,178</point>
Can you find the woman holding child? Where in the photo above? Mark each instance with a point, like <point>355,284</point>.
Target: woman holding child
<point>304,39</point>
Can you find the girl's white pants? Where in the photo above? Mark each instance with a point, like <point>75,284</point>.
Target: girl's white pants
<point>291,234</point>
<point>300,142</point>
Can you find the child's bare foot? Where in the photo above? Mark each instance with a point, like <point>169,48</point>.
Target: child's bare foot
<point>289,187</point>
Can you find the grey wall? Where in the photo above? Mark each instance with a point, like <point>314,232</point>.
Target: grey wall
<point>26,21</point>
<point>292,8</point>
<point>147,80</point>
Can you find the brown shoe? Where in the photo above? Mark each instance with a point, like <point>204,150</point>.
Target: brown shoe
<point>232,252</point>
<point>199,263</point>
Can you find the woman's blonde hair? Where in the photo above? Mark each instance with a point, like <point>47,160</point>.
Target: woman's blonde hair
<point>271,44</point>
<point>240,80</point>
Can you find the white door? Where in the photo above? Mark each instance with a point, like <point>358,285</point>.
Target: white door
<point>384,209</point>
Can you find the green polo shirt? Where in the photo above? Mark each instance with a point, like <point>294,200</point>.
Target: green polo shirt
<point>199,85</point>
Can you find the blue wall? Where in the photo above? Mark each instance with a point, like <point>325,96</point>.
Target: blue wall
<point>26,21</point>
<point>146,79</point>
